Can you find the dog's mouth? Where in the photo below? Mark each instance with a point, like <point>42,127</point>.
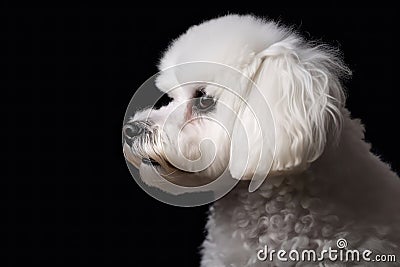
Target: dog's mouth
<point>150,162</point>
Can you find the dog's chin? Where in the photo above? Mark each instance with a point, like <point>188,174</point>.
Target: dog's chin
<point>138,161</point>
<point>165,176</point>
<point>130,157</point>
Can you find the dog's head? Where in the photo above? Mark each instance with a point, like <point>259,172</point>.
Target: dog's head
<point>240,95</point>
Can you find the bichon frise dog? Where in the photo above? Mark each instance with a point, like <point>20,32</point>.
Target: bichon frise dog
<point>282,123</point>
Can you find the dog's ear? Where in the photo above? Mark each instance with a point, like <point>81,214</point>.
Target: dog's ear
<point>302,88</point>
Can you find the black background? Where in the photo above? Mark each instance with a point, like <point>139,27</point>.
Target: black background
<point>66,195</point>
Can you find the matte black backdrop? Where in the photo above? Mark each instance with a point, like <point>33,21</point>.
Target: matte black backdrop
<point>67,197</point>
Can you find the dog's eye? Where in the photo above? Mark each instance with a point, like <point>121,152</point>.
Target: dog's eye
<point>203,102</point>
<point>164,100</point>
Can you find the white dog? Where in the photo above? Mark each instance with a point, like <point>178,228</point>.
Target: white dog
<point>290,126</point>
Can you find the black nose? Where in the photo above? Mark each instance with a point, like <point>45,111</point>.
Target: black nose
<point>131,130</point>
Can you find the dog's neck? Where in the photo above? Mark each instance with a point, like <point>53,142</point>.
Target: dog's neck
<point>325,191</point>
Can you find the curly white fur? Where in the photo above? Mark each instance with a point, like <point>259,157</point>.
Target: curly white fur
<point>323,183</point>
<point>347,193</point>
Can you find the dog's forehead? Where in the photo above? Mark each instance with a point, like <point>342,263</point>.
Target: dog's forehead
<point>183,90</point>
<point>180,93</point>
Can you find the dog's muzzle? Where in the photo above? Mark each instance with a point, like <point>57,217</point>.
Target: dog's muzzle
<point>132,130</point>
<point>136,133</point>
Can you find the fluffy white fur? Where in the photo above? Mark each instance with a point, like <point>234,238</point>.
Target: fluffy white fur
<point>322,182</point>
